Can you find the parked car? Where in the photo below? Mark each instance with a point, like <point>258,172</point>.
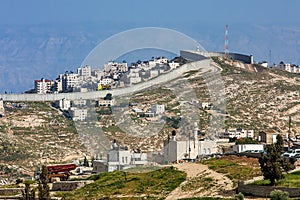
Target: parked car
<point>291,153</point>
<point>297,155</point>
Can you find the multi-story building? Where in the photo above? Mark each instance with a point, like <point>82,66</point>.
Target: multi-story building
<point>284,66</point>
<point>63,104</point>
<point>238,133</point>
<point>2,111</point>
<point>158,109</point>
<point>70,81</point>
<point>98,73</point>
<point>173,65</point>
<point>118,157</point>
<point>42,86</point>
<point>288,67</point>
<point>58,85</point>
<point>105,81</point>
<point>85,71</point>
<point>116,67</point>
<point>158,61</point>
<point>77,114</point>
<point>78,102</point>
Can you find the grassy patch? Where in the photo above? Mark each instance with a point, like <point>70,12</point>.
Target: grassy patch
<point>291,180</point>
<point>234,169</point>
<point>157,183</point>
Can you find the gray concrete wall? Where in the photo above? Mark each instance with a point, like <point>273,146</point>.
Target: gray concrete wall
<point>198,55</point>
<point>264,191</point>
<point>203,64</point>
<point>69,185</point>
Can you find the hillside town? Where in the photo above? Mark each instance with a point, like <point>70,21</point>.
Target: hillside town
<point>113,75</point>
<point>179,145</point>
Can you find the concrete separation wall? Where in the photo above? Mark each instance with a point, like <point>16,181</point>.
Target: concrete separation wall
<point>264,191</point>
<point>204,65</point>
<point>197,55</point>
<point>69,185</point>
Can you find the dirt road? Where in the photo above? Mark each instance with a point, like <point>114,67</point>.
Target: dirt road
<point>201,181</point>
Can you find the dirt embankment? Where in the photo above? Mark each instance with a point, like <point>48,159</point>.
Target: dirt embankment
<point>201,181</point>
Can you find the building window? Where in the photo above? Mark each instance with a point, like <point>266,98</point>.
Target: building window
<point>125,159</point>
<point>122,159</point>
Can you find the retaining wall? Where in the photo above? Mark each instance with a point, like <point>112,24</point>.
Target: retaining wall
<point>69,185</point>
<point>10,191</point>
<point>264,191</point>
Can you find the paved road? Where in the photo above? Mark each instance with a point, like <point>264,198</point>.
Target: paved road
<point>203,65</point>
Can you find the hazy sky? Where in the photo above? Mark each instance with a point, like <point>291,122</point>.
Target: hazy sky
<point>149,12</point>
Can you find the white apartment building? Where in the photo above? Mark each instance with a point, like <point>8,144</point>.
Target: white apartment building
<point>239,133</point>
<point>70,81</point>
<point>79,102</point>
<point>158,109</point>
<point>64,104</point>
<point>116,67</point>
<point>177,150</point>
<point>295,69</point>
<point>58,85</point>
<point>158,61</point>
<point>139,158</point>
<point>118,157</point>
<point>153,73</point>
<point>85,71</point>
<point>42,86</point>
<point>173,65</point>
<point>105,81</point>
<point>288,67</point>
<point>284,66</point>
<point>77,114</point>
<point>2,111</point>
<point>105,102</point>
<point>98,73</point>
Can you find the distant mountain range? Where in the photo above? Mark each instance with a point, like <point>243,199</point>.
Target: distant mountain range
<point>44,51</point>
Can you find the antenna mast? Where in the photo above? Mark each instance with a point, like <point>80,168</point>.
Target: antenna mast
<point>270,58</point>
<point>226,51</point>
<point>289,134</point>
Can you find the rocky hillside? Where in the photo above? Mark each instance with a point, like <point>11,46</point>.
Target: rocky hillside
<point>256,98</point>
<point>260,99</point>
<point>32,134</point>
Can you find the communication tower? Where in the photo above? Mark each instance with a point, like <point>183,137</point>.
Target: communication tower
<point>226,51</point>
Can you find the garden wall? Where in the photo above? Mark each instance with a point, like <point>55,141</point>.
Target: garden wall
<point>264,191</point>
<point>69,185</point>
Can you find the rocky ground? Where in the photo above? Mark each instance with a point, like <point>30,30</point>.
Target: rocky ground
<point>36,134</point>
<point>259,99</point>
<point>215,184</point>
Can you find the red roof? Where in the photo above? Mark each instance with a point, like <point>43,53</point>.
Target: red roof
<point>45,80</point>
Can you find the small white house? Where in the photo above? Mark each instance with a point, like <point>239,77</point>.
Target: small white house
<point>64,104</point>
<point>248,147</point>
<point>158,109</point>
<point>99,166</point>
<point>77,114</point>
<point>207,147</point>
<point>2,111</point>
<point>173,65</point>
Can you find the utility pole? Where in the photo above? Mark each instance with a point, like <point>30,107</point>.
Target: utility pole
<point>189,145</point>
<point>270,58</point>
<point>226,49</point>
<point>289,133</point>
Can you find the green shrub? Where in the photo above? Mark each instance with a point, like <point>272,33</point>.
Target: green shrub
<point>279,195</point>
<point>239,196</point>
